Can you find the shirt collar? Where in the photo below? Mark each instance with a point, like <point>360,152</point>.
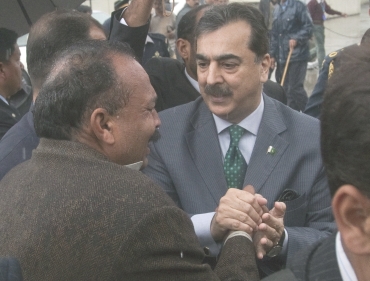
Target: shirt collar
<point>251,123</point>
<point>4,99</point>
<point>192,81</point>
<point>345,267</point>
<point>148,40</point>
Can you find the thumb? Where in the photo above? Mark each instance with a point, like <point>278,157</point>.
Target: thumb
<point>279,210</point>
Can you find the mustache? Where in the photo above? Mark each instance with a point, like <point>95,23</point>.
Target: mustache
<point>217,90</point>
<point>156,136</point>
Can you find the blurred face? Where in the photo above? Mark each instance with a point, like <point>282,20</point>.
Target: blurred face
<point>138,120</point>
<point>158,7</point>
<point>12,73</point>
<point>192,3</point>
<point>229,77</point>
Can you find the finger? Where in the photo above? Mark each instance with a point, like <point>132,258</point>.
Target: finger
<point>262,202</point>
<point>243,201</point>
<point>263,246</point>
<point>247,216</point>
<point>279,210</point>
<point>224,224</point>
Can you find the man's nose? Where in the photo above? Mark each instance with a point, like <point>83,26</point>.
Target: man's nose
<point>214,74</point>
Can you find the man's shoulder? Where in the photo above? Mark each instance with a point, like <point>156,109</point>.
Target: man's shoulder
<point>182,113</point>
<point>17,144</point>
<point>293,118</point>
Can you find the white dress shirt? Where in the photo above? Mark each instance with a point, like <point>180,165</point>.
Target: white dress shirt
<point>345,267</point>
<point>192,81</point>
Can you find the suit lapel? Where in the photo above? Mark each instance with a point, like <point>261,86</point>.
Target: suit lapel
<point>205,151</point>
<point>262,163</point>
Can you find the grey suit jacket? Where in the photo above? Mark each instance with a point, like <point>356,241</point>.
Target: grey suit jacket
<point>318,263</point>
<point>187,163</point>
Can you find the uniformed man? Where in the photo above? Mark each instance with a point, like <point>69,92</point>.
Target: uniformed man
<point>313,107</point>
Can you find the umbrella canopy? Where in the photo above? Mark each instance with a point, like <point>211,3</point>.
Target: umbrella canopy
<point>19,15</point>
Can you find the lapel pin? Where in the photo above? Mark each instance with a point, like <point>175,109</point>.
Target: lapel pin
<point>271,150</point>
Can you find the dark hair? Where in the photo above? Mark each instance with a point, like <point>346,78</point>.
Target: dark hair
<point>50,35</point>
<point>366,37</point>
<point>83,79</point>
<point>345,121</point>
<point>219,16</point>
<point>187,24</point>
<point>8,38</point>
<point>84,9</point>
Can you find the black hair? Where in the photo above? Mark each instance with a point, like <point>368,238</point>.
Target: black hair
<point>83,79</point>
<point>345,121</point>
<point>8,38</point>
<point>219,16</point>
<point>187,24</point>
<point>50,35</point>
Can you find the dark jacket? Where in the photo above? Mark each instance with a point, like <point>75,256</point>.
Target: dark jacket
<point>317,12</point>
<point>293,23</point>
<point>156,49</point>
<point>9,116</point>
<point>70,214</point>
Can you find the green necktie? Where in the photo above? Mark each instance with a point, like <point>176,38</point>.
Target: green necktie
<point>235,166</point>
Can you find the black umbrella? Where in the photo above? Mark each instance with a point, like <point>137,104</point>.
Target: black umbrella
<point>19,15</point>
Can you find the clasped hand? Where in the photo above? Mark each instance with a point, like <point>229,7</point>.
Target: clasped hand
<point>244,210</point>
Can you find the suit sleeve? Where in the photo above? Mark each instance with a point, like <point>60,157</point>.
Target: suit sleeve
<point>319,220</point>
<point>163,246</point>
<point>313,106</point>
<point>305,32</point>
<point>133,36</point>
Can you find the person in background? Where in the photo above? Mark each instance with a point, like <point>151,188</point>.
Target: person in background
<point>190,4</point>
<point>317,9</point>
<point>165,25</point>
<point>313,107</point>
<point>10,78</point>
<point>291,30</point>
<point>85,9</point>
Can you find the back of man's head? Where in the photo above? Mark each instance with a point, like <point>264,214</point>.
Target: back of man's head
<point>50,35</point>
<point>82,79</point>
<point>221,15</point>
<point>8,39</point>
<point>345,144</point>
<point>346,121</point>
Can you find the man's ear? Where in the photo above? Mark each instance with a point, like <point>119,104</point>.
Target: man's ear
<point>183,48</point>
<point>102,124</point>
<point>351,209</point>
<point>2,71</point>
<point>265,67</point>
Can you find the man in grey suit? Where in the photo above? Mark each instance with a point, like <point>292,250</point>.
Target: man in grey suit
<point>345,141</point>
<point>279,146</point>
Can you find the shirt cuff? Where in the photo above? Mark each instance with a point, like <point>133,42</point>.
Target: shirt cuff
<point>202,227</point>
<point>284,250</point>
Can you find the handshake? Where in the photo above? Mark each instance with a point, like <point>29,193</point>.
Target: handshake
<point>243,210</point>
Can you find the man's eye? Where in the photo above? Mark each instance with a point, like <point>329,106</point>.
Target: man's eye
<point>202,64</point>
<point>229,65</point>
